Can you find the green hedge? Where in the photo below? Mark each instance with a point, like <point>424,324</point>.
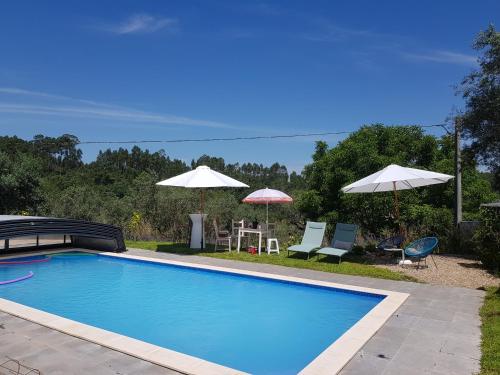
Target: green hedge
<point>487,238</point>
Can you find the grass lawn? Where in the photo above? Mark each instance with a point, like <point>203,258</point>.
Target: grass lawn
<point>352,265</point>
<point>490,329</point>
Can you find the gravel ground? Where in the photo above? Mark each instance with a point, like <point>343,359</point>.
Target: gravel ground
<point>452,270</point>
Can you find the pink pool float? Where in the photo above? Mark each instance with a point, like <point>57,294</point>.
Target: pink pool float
<point>29,275</point>
<point>26,261</point>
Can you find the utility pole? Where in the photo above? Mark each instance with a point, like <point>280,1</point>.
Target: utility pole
<point>458,174</point>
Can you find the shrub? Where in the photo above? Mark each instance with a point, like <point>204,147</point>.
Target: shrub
<point>487,238</point>
<point>358,250</point>
<point>425,220</point>
<point>309,203</point>
<point>370,248</point>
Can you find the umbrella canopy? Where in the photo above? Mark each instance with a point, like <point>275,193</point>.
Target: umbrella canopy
<point>266,196</point>
<point>395,177</point>
<point>202,177</point>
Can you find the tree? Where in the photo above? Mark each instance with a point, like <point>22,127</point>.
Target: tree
<point>58,153</point>
<point>19,184</point>
<point>481,91</point>
<point>372,148</point>
<point>81,202</point>
<point>47,176</point>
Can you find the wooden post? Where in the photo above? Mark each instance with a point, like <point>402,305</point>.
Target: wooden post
<point>458,175</point>
<point>202,201</point>
<point>396,205</point>
<point>202,208</point>
<point>267,215</point>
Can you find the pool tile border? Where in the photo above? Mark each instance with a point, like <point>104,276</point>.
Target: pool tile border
<point>330,361</point>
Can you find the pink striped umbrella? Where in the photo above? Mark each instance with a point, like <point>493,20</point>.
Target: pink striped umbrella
<point>266,196</point>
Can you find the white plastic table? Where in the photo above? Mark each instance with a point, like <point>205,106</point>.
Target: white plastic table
<point>402,262</point>
<point>242,231</point>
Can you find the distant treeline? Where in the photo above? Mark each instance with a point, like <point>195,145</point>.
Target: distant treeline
<point>46,176</point>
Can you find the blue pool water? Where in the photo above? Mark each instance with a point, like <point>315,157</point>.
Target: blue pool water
<point>251,324</point>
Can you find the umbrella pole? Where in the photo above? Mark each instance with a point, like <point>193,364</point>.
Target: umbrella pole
<point>202,207</point>
<point>202,200</point>
<point>396,206</point>
<point>267,215</point>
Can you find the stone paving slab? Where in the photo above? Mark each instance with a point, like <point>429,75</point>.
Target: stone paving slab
<point>436,331</point>
<point>53,352</point>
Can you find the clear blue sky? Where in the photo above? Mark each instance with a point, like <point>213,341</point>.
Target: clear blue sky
<point>120,70</point>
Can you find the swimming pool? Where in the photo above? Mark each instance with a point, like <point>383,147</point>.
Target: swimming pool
<point>248,323</point>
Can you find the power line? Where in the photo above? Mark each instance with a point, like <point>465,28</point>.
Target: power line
<point>259,137</point>
<point>220,139</point>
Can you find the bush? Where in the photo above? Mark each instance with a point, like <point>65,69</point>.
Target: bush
<point>425,220</point>
<point>370,248</point>
<point>358,250</point>
<point>458,242</point>
<point>309,203</point>
<point>289,238</point>
<point>487,238</point>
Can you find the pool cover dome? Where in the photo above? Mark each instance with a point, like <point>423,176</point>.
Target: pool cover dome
<point>83,234</point>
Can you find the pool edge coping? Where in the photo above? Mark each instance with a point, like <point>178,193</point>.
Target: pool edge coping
<point>331,360</point>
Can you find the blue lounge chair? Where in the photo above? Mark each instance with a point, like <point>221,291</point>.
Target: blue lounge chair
<point>312,239</point>
<point>421,249</point>
<point>342,241</point>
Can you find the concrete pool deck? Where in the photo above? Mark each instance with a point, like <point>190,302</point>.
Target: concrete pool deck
<point>436,331</point>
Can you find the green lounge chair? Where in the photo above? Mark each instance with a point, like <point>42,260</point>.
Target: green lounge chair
<point>312,239</point>
<point>342,242</point>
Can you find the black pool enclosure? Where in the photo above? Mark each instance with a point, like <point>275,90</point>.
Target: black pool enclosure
<point>22,232</point>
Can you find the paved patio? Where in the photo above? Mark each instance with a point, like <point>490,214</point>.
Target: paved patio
<point>436,331</point>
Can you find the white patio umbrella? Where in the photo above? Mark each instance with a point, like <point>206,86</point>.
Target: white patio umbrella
<point>394,178</point>
<point>202,177</point>
<point>266,196</point>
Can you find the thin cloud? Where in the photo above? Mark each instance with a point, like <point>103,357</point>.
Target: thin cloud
<point>93,109</point>
<point>374,42</point>
<point>107,114</point>
<point>444,57</point>
<point>143,24</point>
<point>17,91</point>
<point>330,32</point>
